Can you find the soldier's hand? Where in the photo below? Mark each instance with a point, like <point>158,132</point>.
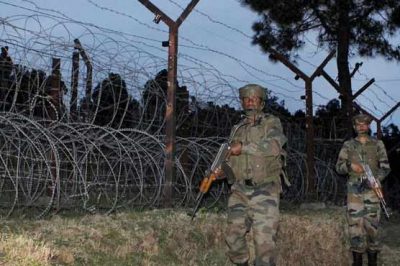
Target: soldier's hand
<point>356,167</point>
<point>236,149</point>
<point>219,173</point>
<point>376,184</point>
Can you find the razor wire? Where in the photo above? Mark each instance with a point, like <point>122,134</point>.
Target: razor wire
<point>96,165</point>
<point>47,166</point>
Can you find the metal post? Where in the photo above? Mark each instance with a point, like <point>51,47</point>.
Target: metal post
<point>170,116</point>
<point>310,136</point>
<point>89,75</point>
<point>56,100</point>
<point>55,90</point>
<point>310,149</point>
<point>74,85</point>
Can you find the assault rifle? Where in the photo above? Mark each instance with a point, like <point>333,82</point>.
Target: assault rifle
<point>222,155</point>
<point>375,186</point>
<point>210,176</point>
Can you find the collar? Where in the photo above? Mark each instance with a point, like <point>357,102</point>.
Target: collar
<point>369,139</point>
<point>257,118</point>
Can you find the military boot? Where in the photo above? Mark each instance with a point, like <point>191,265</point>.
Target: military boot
<point>372,258</point>
<point>357,259</point>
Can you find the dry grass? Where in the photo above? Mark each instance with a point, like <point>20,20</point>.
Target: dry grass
<point>164,237</point>
<point>313,238</point>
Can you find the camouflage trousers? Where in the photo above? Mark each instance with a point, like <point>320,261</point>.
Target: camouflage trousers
<point>255,208</point>
<point>363,216</point>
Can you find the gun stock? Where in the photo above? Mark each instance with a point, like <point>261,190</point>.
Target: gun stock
<point>204,188</point>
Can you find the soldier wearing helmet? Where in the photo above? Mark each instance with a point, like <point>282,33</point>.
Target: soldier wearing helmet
<point>256,163</point>
<point>363,206</point>
<point>252,98</point>
<point>361,124</point>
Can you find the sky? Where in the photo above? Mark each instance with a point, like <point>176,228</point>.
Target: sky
<point>215,52</point>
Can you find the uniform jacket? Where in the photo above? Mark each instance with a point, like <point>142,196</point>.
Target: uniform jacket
<point>261,156</point>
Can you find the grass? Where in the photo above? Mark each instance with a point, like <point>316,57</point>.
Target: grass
<point>168,237</point>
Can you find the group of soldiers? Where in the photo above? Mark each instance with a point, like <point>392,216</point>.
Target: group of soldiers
<point>256,162</point>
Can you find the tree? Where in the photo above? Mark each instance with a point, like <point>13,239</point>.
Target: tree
<point>28,93</point>
<point>329,121</point>
<point>391,131</point>
<point>154,104</point>
<point>362,26</point>
<point>112,104</point>
<point>277,108</point>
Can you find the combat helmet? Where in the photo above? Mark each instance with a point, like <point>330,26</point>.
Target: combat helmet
<point>253,90</point>
<point>362,118</point>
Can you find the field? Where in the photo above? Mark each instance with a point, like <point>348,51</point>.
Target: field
<point>170,237</point>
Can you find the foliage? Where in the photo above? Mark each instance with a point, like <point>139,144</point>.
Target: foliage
<point>28,91</point>
<point>366,24</point>
<point>329,121</point>
<point>213,120</point>
<point>154,102</point>
<point>274,106</point>
<point>112,105</point>
<point>365,27</point>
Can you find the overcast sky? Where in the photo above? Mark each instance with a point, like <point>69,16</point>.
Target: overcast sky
<point>218,32</point>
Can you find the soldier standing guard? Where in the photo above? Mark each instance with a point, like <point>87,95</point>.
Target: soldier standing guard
<point>363,206</point>
<point>256,163</point>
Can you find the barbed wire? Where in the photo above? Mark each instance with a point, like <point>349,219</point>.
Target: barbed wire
<point>110,155</point>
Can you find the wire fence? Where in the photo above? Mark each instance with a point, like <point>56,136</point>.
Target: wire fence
<point>102,149</point>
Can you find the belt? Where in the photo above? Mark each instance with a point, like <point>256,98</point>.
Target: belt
<point>249,183</point>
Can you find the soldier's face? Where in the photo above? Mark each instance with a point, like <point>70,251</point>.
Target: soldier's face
<point>362,128</point>
<point>251,102</point>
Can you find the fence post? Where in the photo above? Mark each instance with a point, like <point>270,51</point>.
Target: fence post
<point>310,148</point>
<point>74,86</point>
<point>170,116</point>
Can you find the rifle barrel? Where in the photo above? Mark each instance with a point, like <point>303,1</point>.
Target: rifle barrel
<point>198,199</point>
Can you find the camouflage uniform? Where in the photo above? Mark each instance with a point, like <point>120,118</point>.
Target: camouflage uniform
<point>363,209</point>
<point>254,201</point>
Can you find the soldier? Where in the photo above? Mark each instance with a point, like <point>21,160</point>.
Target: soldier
<point>256,164</point>
<point>363,206</point>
